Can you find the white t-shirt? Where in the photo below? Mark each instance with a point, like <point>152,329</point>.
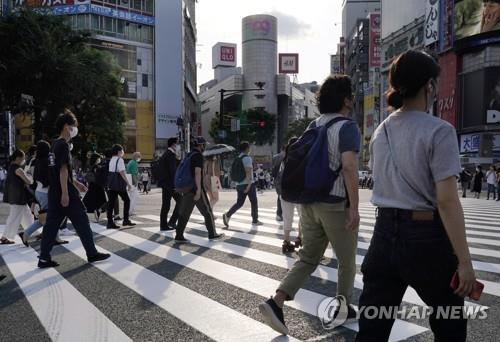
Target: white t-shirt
<point>116,168</point>
<point>491,177</point>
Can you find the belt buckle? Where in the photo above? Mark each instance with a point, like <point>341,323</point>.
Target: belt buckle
<point>422,216</point>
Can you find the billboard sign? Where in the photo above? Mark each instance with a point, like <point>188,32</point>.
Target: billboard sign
<point>431,22</point>
<point>478,19</point>
<point>446,96</point>
<point>470,143</point>
<point>375,48</point>
<point>335,68</point>
<point>446,28</point>
<point>288,63</point>
<point>493,96</point>
<point>49,3</point>
<point>258,27</point>
<point>224,54</point>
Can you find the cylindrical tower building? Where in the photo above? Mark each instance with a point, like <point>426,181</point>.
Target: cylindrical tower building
<point>260,55</point>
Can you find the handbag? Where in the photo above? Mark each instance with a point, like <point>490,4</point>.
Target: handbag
<point>116,181</point>
<point>214,180</point>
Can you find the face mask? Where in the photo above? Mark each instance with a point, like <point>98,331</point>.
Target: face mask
<point>138,160</point>
<point>73,132</point>
<point>71,146</point>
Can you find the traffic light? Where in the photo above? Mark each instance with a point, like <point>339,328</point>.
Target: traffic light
<point>262,124</point>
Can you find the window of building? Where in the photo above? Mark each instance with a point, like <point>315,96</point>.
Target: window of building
<point>144,80</point>
<point>139,61</point>
<point>136,4</point>
<point>149,6</point>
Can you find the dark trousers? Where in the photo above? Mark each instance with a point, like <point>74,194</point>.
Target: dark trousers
<point>145,184</point>
<point>252,196</point>
<point>166,197</point>
<point>187,205</point>
<point>465,186</point>
<point>406,253</point>
<point>113,198</point>
<point>491,190</point>
<point>56,216</point>
<point>279,210</point>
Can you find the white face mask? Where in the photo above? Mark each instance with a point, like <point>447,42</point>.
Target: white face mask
<point>73,132</point>
<point>138,160</point>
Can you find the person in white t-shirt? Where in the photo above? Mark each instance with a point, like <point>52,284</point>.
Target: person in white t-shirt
<point>491,179</point>
<point>117,165</point>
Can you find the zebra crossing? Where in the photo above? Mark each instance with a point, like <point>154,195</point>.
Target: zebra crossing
<point>152,289</point>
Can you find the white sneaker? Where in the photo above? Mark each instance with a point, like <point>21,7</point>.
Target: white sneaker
<point>67,232</point>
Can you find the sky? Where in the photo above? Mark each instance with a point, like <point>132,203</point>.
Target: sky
<point>311,28</point>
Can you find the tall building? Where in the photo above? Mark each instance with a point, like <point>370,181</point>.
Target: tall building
<point>154,42</point>
<point>176,109</point>
<point>352,10</point>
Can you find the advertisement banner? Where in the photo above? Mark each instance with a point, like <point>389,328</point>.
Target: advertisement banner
<point>431,22</point>
<point>224,54</point>
<point>335,68</point>
<point>492,88</point>
<point>446,28</point>
<point>49,3</point>
<point>473,17</point>
<point>446,97</point>
<point>288,63</point>
<point>375,49</point>
<point>470,143</point>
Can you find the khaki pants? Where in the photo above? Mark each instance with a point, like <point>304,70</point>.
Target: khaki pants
<point>323,223</point>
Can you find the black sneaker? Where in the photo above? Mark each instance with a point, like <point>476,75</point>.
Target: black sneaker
<point>216,237</point>
<point>98,257</point>
<point>171,226</point>
<point>117,218</point>
<point>47,264</point>
<point>273,316</point>
<point>113,226</point>
<point>128,223</point>
<point>21,235</point>
<point>2,277</point>
<point>225,220</point>
<point>352,314</point>
<point>168,229</point>
<point>257,223</point>
<point>181,240</point>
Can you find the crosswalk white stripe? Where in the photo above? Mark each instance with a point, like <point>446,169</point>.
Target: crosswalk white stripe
<point>365,245</point>
<point>322,272</point>
<point>215,320</point>
<point>63,311</point>
<point>370,219</point>
<point>305,300</point>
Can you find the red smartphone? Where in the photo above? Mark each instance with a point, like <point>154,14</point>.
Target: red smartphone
<point>477,289</point>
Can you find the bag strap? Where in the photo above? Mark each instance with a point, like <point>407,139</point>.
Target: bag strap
<point>398,170</point>
<point>116,166</point>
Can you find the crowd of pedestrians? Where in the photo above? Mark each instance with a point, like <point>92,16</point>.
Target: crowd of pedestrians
<point>419,221</point>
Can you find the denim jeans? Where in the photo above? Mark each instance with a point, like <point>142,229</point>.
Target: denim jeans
<point>42,199</point>
<point>492,190</point>
<point>242,196</point>
<point>406,253</point>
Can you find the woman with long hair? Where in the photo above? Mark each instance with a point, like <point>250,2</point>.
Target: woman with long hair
<point>419,237</point>
<point>95,198</point>
<point>16,196</point>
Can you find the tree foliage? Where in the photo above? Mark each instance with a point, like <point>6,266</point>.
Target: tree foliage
<point>297,128</point>
<point>42,56</point>
<point>250,129</point>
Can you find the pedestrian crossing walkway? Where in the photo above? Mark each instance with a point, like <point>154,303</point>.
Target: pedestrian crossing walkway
<point>152,289</point>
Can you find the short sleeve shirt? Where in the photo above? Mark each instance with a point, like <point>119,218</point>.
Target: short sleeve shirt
<point>132,167</point>
<point>425,149</point>
<point>60,156</point>
<point>197,161</point>
<point>248,164</point>
<point>114,167</point>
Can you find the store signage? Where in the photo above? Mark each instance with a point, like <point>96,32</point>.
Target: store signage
<point>288,63</point>
<point>104,11</point>
<point>431,22</point>
<point>375,48</point>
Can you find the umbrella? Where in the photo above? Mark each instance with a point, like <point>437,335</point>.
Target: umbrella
<point>218,149</point>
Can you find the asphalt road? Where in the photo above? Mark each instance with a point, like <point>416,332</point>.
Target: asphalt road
<point>154,290</point>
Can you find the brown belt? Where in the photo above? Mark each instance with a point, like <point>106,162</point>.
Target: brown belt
<point>407,214</point>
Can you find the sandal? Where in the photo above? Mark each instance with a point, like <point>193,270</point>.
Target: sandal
<point>5,241</point>
<point>298,242</point>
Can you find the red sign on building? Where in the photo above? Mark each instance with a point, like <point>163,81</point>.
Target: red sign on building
<point>447,94</point>
<point>227,54</point>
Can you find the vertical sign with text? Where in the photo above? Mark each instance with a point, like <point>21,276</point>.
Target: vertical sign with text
<point>375,48</point>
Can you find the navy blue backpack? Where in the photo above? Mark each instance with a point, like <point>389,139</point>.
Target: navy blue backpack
<point>307,177</point>
<point>184,178</point>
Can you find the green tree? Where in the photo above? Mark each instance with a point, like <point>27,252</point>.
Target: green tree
<point>43,57</point>
<point>297,128</point>
<point>257,127</point>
